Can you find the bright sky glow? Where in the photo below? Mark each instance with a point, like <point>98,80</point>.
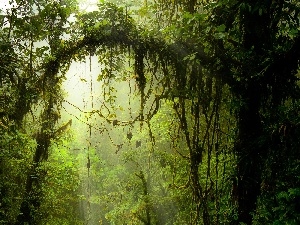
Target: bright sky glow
<point>88,5</point>
<point>84,5</point>
<point>4,5</point>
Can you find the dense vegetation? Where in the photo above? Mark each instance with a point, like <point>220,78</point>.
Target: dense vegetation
<point>193,117</point>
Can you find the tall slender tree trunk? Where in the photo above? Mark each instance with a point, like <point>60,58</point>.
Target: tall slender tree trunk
<point>249,147</point>
<point>249,155</point>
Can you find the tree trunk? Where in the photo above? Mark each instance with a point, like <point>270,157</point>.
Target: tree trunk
<point>249,152</point>
<point>249,146</point>
<point>32,196</point>
<point>33,191</point>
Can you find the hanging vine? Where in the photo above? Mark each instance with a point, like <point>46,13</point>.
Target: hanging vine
<point>182,82</point>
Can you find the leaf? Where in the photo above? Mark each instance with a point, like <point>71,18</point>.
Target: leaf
<point>221,28</point>
<point>190,57</point>
<point>111,116</point>
<point>129,135</point>
<point>293,32</point>
<point>100,77</point>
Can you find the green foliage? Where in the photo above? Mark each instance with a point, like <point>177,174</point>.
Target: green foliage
<point>17,150</point>
<point>211,135</point>
<point>280,208</point>
<point>61,187</point>
<point>288,210</point>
